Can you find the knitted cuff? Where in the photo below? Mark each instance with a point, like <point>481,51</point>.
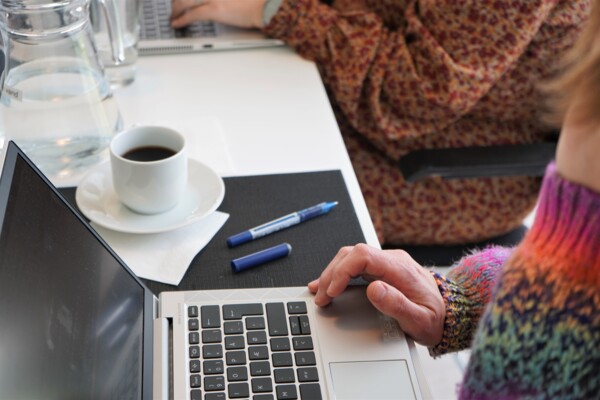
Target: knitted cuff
<point>458,324</point>
<point>466,291</point>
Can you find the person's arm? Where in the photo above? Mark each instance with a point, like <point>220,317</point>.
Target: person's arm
<point>420,76</point>
<point>539,336</point>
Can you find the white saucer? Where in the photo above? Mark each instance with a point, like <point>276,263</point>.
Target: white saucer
<point>97,200</point>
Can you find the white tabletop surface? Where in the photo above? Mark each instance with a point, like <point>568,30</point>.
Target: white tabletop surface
<point>244,112</point>
<point>269,104</point>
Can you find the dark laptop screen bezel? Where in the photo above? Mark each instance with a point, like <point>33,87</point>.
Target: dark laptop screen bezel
<point>13,153</point>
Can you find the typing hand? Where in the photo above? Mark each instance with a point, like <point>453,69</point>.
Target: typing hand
<point>399,287</point>
<point>242,13</point>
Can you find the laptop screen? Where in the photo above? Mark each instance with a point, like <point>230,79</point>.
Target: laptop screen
<point>72,321</point>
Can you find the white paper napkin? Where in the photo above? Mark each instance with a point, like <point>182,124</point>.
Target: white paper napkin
<point>163,257</point>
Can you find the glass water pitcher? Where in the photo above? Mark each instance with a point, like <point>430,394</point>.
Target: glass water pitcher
<point>55,101</point>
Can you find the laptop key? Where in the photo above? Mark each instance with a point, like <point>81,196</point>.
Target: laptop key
<point>193,324</point>
<point>211,336</point>
<point>260,368</point>
<point>234,342</point>
<point>196,394</point>
<point>304,324</point>
<point>258,353</point>
<point>237,311</point>
<point>238,390</point>
<point>211,317</point>
<point>212,383</point>
<point>282,359</point>
<point>263,397</point>
<point>280,344</point>
<point>195,366</point>
<point>195,381</point>
<point>212,351</point>
<point>261,385</point>
<point>284,375</point>
<point>302,343</point>
<point>194,352</point>
<point>237,357</point>
<point>277,319</point>
<point>297,307</point>
<point>286,392</point>
<point>310,391</point>
<point>295,325</point>
<point>305,358</point>
<point>233,327</point>
<point>194,338</point>
<point>215,396</point>
<point>193,311</point>
<point>237,374</point>
<point>213,367</point>
<point>257,337</point>
<point>308,374</point>
<point>254,323</point>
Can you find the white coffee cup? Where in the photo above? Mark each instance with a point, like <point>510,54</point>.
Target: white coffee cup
<point>149,168</point>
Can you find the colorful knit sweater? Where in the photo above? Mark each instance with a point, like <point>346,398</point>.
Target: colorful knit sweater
<point>404,75</point>
<point>532,315</point>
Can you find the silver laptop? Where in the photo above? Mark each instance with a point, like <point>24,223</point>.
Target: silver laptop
<point>157,37</point>
<point>78,324</point>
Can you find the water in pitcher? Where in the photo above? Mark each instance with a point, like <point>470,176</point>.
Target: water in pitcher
<point>55,100</point>
<point>60,112</point>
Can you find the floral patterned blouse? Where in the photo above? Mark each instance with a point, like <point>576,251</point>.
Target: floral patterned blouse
<point>404,75</point>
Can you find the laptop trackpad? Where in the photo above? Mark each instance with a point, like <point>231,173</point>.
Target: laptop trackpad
<point>380,380</point>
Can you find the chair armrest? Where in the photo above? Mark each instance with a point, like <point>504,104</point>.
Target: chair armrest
<point>478,162</point>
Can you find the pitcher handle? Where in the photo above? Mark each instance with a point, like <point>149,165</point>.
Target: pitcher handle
<point>115,35</point>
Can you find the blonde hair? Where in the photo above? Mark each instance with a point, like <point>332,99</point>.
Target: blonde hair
<point>577,89</point>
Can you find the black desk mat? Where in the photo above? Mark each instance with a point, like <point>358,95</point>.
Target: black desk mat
<point>254,200</point>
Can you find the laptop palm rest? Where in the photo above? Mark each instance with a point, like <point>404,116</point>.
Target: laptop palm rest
<point>371,380</point>
<point>367,356</point>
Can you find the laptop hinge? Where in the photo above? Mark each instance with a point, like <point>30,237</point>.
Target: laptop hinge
<point>161,359</point>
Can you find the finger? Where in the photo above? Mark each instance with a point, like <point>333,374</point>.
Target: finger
<point>313,286</point>
<point>412,318</point>
<point>321,297</point>
<point>178,7</point>
<point>391,301</point>
<point>200,12</point>
<point>359,262</point>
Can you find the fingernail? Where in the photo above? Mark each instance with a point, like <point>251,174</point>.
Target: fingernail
<point>329,292</point>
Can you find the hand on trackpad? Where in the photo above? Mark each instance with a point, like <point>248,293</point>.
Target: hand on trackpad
<point>380,380</point>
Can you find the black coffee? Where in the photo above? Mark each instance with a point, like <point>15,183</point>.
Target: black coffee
<point>148,153</point>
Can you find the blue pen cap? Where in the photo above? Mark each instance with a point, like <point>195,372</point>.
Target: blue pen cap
<point>238,239</point>
<point>261,257</point>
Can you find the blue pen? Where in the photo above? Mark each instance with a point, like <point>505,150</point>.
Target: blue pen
<point>261,257</point>
<point>281,223</point>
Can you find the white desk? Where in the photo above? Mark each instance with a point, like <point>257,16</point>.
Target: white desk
<point>270,103</point>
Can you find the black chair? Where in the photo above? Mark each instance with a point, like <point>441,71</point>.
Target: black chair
<point>474,162</point>
<point>478,162</point>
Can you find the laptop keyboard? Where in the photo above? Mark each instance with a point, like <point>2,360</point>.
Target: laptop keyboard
<point>155,23</point>
<point>253,351</point>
